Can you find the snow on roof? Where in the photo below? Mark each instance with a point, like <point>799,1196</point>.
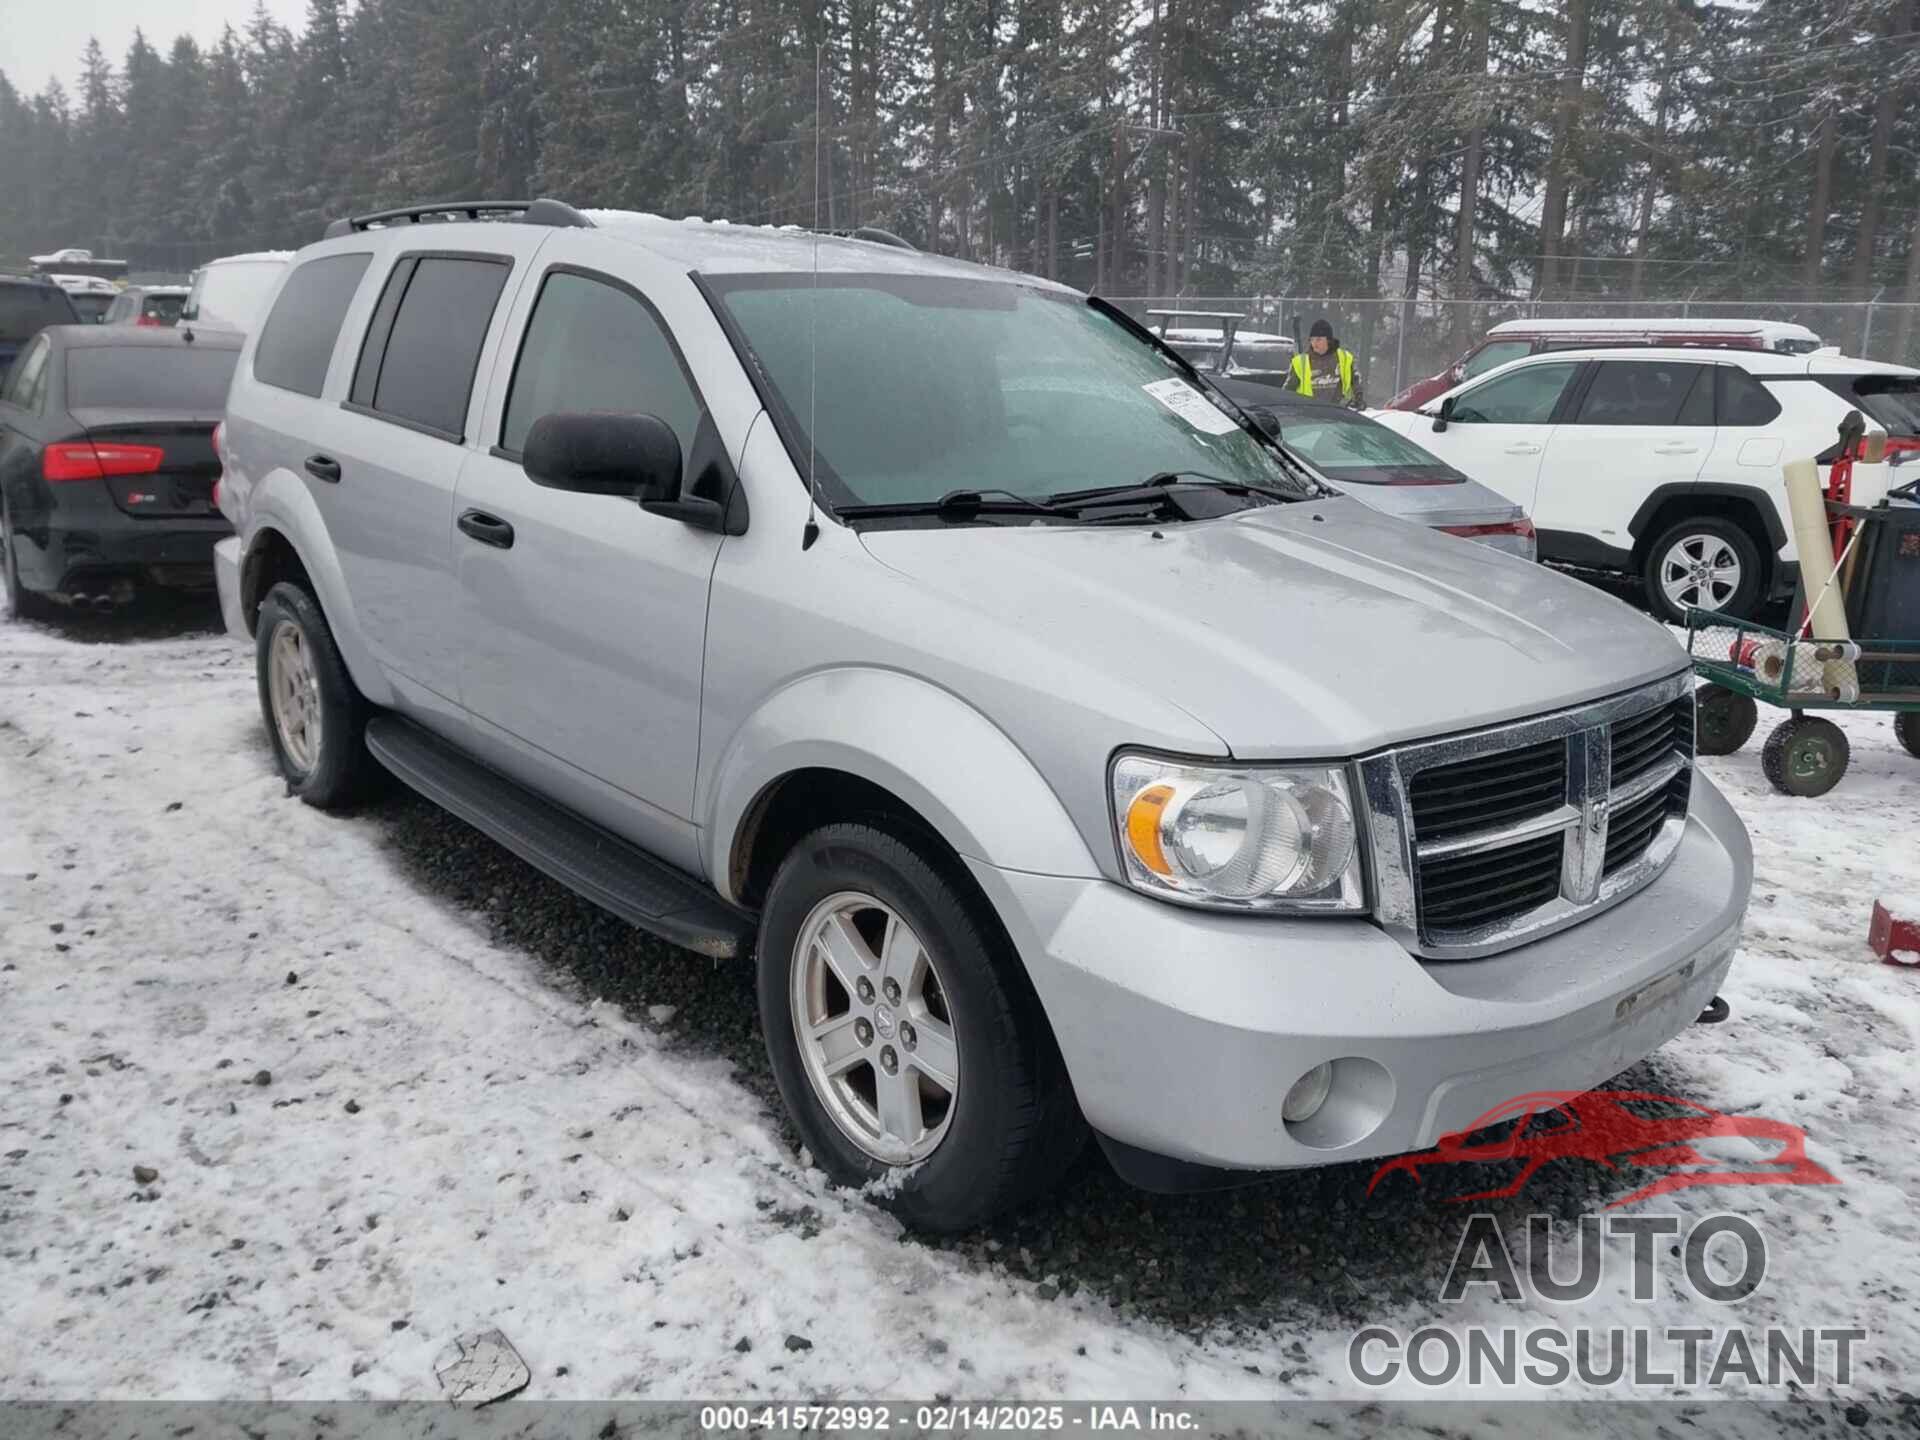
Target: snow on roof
<point>282,256</point>
<point>1639,325</point>
<point>92,283</point>
<point>719,247</point>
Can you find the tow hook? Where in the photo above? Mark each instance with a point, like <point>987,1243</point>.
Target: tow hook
<point>1716,1011</point>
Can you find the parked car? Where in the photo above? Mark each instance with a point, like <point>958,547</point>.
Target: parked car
<point>230,293</point>
<point>91,295</point>
<point>27,306</point>
<point>1359,456</point>
<point>1517,339</point>
<point>153,305</point>
<point>1218,346</point>
<point>1157,788</point>
<point>1661,464</point>
<point>75,261</point>
<point>107,465</point>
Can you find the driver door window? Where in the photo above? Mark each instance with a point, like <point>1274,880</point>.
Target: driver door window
<point>1525,397</point>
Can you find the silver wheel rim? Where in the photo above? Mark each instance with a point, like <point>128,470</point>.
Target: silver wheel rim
<point>1699,570</point>
<point>295,695</point>
<point>875,1034</point>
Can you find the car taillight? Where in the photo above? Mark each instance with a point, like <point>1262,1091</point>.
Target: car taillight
<point>219,442</point>
<point>1523,528</point>
<point>91,460</point>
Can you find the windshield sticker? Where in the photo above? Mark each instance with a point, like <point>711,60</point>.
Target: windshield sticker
<point>1193,407</point>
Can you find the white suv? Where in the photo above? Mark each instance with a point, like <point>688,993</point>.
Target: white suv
<point>1661,463</point>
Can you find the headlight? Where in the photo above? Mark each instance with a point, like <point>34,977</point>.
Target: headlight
<point>1242,838</point>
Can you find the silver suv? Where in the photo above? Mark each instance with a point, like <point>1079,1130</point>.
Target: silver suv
<point>1068,756</point>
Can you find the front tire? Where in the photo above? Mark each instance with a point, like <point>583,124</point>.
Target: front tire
<point>1706,563</point>
<point>316,718</point>
<point>1906,729</point>
<point>904,1039</point>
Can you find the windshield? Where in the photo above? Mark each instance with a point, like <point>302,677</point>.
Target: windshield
<point>921,385</point>
<point>1355,450</point>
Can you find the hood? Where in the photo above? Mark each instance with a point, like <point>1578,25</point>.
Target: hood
<point>1451,501</point>
<point>1315,629</point>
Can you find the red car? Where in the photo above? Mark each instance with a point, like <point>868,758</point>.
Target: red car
<point>1517,339</point>
<point>1600,1127</point>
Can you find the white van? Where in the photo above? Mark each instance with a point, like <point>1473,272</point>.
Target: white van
<point>229,293</point>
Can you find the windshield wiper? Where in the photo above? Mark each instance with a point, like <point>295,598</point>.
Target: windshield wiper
<point>1154,486</point>
<point>955,503</point>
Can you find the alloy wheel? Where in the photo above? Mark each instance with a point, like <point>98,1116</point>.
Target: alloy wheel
<point>295,692</point>
<point>875,1035</point>
<point>1702,571</point>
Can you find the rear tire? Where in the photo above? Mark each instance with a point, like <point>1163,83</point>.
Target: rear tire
<point>1906,729</point>
<point>1709,563</point>
<point>1004,1126</point>
<point>316,718</point>
<point>22,603</point>
<point>1723,719</point>
<point>1805,756</point>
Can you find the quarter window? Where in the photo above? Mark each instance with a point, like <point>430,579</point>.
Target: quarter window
<point>1640,392</point>
<point>594,346</point>
<point>1744,400</point>
<point>297,342</point>
<point>424,344</point>
<point>1525,397</point>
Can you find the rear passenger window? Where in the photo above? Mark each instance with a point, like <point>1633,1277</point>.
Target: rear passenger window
<point>424,344</point>
<point>594,346</point>
<point>1638,392</point>
<point>1744,400</point>
<point>297,341</point>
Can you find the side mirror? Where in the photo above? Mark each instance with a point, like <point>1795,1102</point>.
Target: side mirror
<point>1459,371</point>
<point>594,453</point>
<point>1446,414</point>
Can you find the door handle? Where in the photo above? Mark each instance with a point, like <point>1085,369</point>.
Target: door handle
<point>487,529</point>
<point>324,467</point>
<point>1523,448</point>
<point>1676,449</point>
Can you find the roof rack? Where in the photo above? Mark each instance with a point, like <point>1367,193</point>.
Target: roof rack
<point>531,212</point>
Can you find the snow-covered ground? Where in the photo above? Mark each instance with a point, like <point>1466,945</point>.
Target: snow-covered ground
<point>397,1087</point>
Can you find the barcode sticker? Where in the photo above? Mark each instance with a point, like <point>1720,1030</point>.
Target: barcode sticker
<point>1193,407</point>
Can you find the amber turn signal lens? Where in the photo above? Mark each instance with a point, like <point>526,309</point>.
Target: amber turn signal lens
<point>1143,827</point>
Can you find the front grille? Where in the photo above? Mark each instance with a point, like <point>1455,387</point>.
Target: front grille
<point>1464,892</point>
<point>1488,791</point>
<point>1521,829</point>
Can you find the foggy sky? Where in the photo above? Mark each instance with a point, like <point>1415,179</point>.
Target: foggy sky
<point>40,39</point>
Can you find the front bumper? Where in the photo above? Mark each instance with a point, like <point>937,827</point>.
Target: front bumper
<point>1183,1031</point>
<point>226,578</point>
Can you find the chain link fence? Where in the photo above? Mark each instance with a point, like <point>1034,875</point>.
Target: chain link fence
<point>1397,342</point>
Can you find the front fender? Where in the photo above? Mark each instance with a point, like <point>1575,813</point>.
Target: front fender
<point>959,771</point>
<point>281,503</point>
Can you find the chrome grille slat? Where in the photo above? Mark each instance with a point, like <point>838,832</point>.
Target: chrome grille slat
<point>1483,841</point>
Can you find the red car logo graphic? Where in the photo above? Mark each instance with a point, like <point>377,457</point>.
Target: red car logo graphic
<point>1623,1130</point>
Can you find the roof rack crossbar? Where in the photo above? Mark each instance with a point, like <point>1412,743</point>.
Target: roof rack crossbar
<point>531,212</point>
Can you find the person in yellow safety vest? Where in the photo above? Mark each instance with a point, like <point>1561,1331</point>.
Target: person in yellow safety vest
<point>1325,371</point>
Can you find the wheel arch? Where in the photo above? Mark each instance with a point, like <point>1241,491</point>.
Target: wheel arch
<point>280,547</point>
<point>1752,508</point>
<point>847,742</point>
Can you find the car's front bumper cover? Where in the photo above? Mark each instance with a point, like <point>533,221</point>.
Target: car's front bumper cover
<point>1183,1031</point>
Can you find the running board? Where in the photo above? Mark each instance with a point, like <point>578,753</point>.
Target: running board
<point>617,876</point>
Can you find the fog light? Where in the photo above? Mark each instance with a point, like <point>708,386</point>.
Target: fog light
<point>1308,1094</point>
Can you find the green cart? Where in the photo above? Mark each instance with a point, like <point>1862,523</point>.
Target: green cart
<point>1741,663</point>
